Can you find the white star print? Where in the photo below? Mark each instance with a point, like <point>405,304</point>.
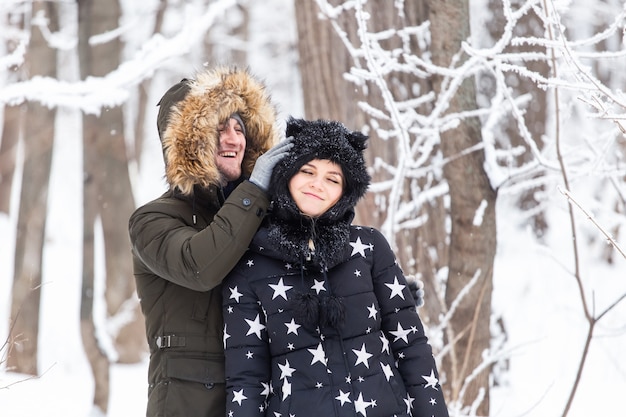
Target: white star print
<point>285,370</point>
<point>359,247</point>
<point>238,396</point>
<point>255,326</point>
<point>318,287</point>
<point>226,336</point>
<point>396,288</point>
<point>319,385</point>
<point>343,397</point>
<point>292,327</point>
<point>385,341</point>
<point>431,380</point>
<point>286,389</point>
<point>361,406</point>
<point>400,333</point>
<point>373,312</point>
<point>362,356</point>
<point>250,262</point>
<point>387,371</point>
<point>357,273</point>
<point>249,355</point>
<point>230,309</point>
<point>409,403</point>
<point>280,289</point>
<point>433,401</point>
<point>235,294</point>
<point>318,355</point>
<point>266,389</point>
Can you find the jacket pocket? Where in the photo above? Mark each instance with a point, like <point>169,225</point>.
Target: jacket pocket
<point>205,370</point>
<point>179,398</point>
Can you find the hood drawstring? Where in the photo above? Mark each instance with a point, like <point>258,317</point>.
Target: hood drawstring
<point>311,309</point>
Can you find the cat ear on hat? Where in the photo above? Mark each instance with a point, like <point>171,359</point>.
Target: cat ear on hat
<point>294,126</point>
<point>357,140</point>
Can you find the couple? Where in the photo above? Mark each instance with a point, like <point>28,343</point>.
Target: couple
<point>314,316</point>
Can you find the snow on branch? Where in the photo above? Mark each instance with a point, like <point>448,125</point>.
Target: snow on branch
<point>94,93</point>
<point>610,239</point>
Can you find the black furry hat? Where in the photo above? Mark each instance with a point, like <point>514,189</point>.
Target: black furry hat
<point>291,231</point>
<point>321,139</point>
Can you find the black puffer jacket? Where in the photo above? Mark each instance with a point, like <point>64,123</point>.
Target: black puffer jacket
<point>186,241</point>
<point>328,329</point>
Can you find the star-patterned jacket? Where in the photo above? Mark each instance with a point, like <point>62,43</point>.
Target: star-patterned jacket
<point>369,358</point>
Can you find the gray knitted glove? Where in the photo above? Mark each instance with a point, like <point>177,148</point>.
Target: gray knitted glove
<point>416,286</point>
<point>265,163</point>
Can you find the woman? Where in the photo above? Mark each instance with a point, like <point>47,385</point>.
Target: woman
<point>318,317</point>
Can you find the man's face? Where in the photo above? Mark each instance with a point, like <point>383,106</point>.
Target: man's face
<point>231,150</point>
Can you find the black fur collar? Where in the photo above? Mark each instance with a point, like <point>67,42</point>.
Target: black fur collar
<point>291,239</point>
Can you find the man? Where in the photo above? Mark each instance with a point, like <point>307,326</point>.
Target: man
<point>216,130</point>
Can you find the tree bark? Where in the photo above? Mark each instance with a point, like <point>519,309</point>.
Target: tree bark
<point>106,166</point>
<point>108,197</point>
<point>323,62</point>
<point>473,223</point>
<point>143,90</point>
<point>11,130</point>
<point>31,224</point>
<point>98,360</point>
<point>8,152</point>
<point>535,114</point>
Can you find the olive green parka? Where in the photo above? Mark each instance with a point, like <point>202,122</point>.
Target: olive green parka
<point>187,240</point>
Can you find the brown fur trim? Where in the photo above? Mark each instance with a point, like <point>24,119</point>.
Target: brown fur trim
<point>191,139</point>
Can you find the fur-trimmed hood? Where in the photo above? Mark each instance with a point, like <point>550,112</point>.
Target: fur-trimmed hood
<point>290,231</point>
<point>190,113</point>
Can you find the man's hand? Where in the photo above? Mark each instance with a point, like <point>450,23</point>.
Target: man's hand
<point>265,163</point>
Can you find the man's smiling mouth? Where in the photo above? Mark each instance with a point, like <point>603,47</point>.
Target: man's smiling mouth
<point>228,154</point>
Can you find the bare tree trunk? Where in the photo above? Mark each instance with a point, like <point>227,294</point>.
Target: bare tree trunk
<point>535,114</point>
<point>95,18</point>
<point>144,88</point>
<point>472,212</point>
<point>8,152</point>
<point>98,359</point>
<point>323,62</point>
<point>31,225</point>
<point>11,130</point>
<point>106,167</point>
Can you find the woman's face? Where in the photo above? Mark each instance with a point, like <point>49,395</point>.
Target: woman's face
<point>317,186</point>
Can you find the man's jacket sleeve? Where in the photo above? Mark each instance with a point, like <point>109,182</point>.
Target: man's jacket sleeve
<point>167,243</point>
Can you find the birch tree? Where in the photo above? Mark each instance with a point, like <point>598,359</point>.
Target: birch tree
<point>38,143</point>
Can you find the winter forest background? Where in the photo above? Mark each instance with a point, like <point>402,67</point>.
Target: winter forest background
<point>497,151</point>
